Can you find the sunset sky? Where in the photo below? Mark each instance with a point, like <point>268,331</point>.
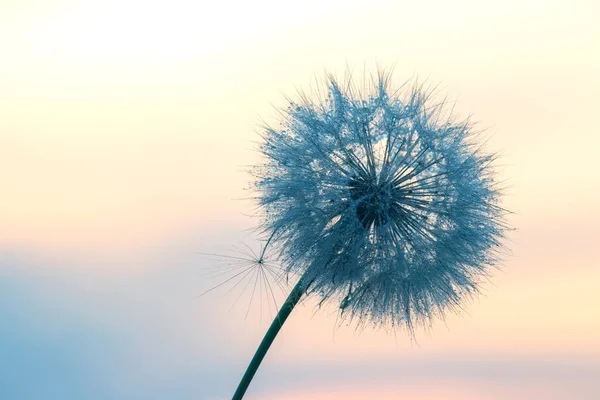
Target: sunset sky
<point>126,128</point>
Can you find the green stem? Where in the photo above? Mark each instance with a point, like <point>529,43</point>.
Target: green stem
<point>284,312</point>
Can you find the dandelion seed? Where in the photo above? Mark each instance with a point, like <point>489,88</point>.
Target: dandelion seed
<point>250,274</point>
<point>380,204</point>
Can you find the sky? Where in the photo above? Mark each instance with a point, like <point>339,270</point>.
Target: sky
<point>126,129</point>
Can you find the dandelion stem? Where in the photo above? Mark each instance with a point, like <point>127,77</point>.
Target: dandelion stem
<point>284,312</point>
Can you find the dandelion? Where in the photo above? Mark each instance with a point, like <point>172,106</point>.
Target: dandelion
<point>381,203</point>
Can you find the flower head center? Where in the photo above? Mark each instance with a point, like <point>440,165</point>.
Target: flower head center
<point>375,199</point>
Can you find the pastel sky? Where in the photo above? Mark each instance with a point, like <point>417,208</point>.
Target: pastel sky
<point>125,131</point>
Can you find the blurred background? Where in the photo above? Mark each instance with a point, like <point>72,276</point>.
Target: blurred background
<point>125,131</point>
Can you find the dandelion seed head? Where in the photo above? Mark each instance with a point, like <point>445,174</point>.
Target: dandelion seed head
<point>382,201</point>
